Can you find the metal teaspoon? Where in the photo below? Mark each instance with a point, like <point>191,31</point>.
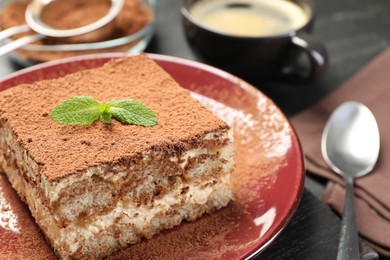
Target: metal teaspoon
<point>350,146</point>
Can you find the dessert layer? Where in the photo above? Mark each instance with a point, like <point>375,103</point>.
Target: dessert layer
<point>182,121</point>
<point>98,189</point>
<point>130,220</point>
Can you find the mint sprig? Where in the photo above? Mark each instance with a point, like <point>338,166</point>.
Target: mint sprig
<point>84,110</point>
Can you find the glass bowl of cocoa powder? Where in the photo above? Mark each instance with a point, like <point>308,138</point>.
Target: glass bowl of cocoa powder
<point>130,32</point>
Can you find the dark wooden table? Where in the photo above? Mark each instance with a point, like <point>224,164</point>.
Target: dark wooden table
<point>354,32</point>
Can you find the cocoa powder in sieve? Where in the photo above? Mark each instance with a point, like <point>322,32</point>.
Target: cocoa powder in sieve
<point>70,14</point>
<point>132,18</point>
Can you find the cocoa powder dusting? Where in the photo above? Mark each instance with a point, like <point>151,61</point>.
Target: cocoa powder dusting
<point>20,237</point>
<point>262,137</point>
<point>203,239</point>
<point>182,121</point>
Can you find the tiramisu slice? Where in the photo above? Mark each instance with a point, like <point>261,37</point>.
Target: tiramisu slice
<point>96,188</point>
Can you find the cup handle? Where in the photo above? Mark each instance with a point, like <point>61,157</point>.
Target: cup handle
<point>318,59</point>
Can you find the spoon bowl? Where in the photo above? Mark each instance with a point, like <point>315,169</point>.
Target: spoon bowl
<point>350,145</point>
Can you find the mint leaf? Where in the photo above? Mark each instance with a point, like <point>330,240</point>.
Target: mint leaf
<point>80,110</point>
<point>84,110</point>
<point>132,111</point>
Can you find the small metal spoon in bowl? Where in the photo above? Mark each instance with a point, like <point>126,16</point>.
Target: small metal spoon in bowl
<point>350,146</point>
<point>33,18</point>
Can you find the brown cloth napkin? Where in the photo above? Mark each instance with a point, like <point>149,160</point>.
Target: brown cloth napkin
<point>370,86</point>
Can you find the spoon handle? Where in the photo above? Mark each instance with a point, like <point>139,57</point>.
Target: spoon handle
<point>13,45</point>
<point>13,30</point>
<point>349,241</point>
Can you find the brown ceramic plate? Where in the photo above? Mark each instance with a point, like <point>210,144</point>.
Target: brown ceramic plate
<point>268,181</point>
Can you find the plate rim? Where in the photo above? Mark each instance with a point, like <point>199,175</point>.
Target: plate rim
<point>216,71</point>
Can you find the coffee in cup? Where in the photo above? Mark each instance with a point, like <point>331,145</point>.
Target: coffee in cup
<point>257,18</point>
<point>255,38</point>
